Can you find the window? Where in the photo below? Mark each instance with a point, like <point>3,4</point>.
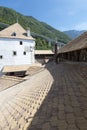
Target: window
<point>21,43</point>
<point>13,34</point>
<point>1,57</point>
<point>24,53</point>
<point>14,53</point>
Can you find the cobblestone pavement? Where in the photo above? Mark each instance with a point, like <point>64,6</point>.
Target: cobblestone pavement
<point>65,107</point>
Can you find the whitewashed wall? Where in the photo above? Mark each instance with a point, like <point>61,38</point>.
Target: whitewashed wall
<point>7,46</point>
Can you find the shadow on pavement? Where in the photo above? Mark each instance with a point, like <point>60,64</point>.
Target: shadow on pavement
<point>65,107</point>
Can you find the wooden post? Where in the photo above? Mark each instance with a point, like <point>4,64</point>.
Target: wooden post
<point>55,51</point>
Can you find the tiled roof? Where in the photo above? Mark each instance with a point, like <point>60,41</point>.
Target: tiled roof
<point>43,52</point>
<point>76,44</point>
<point>16,29</point>
<point>15,68</point>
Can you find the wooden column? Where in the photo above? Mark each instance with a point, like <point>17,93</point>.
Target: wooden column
<point>55,51</point>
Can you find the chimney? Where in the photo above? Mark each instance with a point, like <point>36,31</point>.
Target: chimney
<point>28,32</point>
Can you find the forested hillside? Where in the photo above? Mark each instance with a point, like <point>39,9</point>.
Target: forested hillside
<point>40,30</point>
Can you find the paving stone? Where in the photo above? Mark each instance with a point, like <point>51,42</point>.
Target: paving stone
<point>72,127</point>
<point>46,126</point>
<point>61,115</point>
<point>68,109</point>
<point>61,107</point>
<point>53,99</point>
<point>82,126</point>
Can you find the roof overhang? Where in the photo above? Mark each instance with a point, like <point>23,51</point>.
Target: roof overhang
<point>17,68</point>
<point>43,52</point>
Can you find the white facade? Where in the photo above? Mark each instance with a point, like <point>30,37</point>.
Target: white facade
<point>16,51</point>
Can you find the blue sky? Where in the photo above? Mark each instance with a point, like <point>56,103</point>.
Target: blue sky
<point>60,14</point>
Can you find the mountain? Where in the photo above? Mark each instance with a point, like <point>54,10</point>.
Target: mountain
<point>74,33</point>
<point>9,16</point>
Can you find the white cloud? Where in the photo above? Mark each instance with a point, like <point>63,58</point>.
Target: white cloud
<point>81,26</point>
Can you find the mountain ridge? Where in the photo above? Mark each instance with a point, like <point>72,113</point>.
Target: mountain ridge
<point>74,33</point>
<point>9,16</point>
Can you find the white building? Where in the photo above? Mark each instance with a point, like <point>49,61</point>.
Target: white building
<point>16,47</point>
